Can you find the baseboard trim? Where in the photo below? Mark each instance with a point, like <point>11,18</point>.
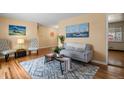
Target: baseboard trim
<point>99,62</point>
<point>47,47</point>
<point>39,48</point>
<point>1,57</point>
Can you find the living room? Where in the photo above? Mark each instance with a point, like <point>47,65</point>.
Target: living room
<point>51,35</point>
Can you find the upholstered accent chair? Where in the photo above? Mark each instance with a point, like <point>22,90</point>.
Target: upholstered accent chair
<point>5,48</point>
<point>33,45</point>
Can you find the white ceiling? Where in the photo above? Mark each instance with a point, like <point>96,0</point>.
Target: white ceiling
<point>52,19</point>
<point>47,19</point>
<point>115,17</point>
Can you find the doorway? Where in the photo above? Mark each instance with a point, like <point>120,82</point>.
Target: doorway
<point>116,39</point>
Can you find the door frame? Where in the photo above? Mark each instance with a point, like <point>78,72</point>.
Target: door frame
<point>106,23</point>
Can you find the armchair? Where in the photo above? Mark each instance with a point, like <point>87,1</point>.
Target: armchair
<point>5,49</point>
<point>33,45</point>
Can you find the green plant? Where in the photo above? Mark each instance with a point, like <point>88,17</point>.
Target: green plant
<point>57,49</point>
<point>62,38</point>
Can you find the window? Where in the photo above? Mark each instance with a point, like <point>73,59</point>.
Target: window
<point>115,35</point>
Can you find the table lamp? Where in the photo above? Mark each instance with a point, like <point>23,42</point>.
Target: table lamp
<point>20,42</point>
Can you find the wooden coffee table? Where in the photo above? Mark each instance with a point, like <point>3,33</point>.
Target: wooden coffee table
<point>49,57</point>
<point>61,59</point>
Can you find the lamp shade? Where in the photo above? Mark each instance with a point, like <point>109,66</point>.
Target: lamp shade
<point>20,41</point>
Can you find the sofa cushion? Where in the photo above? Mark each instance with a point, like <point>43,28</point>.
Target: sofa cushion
<point>75,47</point>
<point>5,52</point>
<point>69,47</point>
<point>66,52</point>
<point>31,49</point>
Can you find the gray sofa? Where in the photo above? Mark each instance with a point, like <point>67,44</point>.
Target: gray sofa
<point>80,52</point>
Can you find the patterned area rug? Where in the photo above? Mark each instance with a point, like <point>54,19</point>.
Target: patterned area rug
<point>51,70</point>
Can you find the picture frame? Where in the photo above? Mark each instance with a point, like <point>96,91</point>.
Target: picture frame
<point>77,30</point>
<point>17,30</point>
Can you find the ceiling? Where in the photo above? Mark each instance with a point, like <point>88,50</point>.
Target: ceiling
<point>52,19</point>
<point>46,19</point>
<point>115,17</point>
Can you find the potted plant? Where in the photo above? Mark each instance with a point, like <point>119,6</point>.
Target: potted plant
<point>57,50</point>
<point>61,38</point>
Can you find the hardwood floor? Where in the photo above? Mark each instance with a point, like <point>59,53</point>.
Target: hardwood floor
<point>13,70</point>
<point>109,72</point>
<point>116,58</point>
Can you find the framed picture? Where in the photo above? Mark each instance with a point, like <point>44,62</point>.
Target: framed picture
<point>77,31</point>
<point>17,30</point>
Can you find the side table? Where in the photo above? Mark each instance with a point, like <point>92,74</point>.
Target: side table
<point>66,61</point>
<point>20,53</point>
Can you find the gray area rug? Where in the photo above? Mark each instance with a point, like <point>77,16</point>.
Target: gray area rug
<point>38,70</point>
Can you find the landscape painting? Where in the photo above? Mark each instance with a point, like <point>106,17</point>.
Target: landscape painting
<point>17,30</point>
<point>77,31</point>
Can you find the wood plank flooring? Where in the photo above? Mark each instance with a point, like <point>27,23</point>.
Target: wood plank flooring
<point>109,72</point>
<point>116,58</point>
<point>13,70</point>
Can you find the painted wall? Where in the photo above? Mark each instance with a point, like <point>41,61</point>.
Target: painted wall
<point>31,30</point>
<point>47,36</point>
<point>97,32</point>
